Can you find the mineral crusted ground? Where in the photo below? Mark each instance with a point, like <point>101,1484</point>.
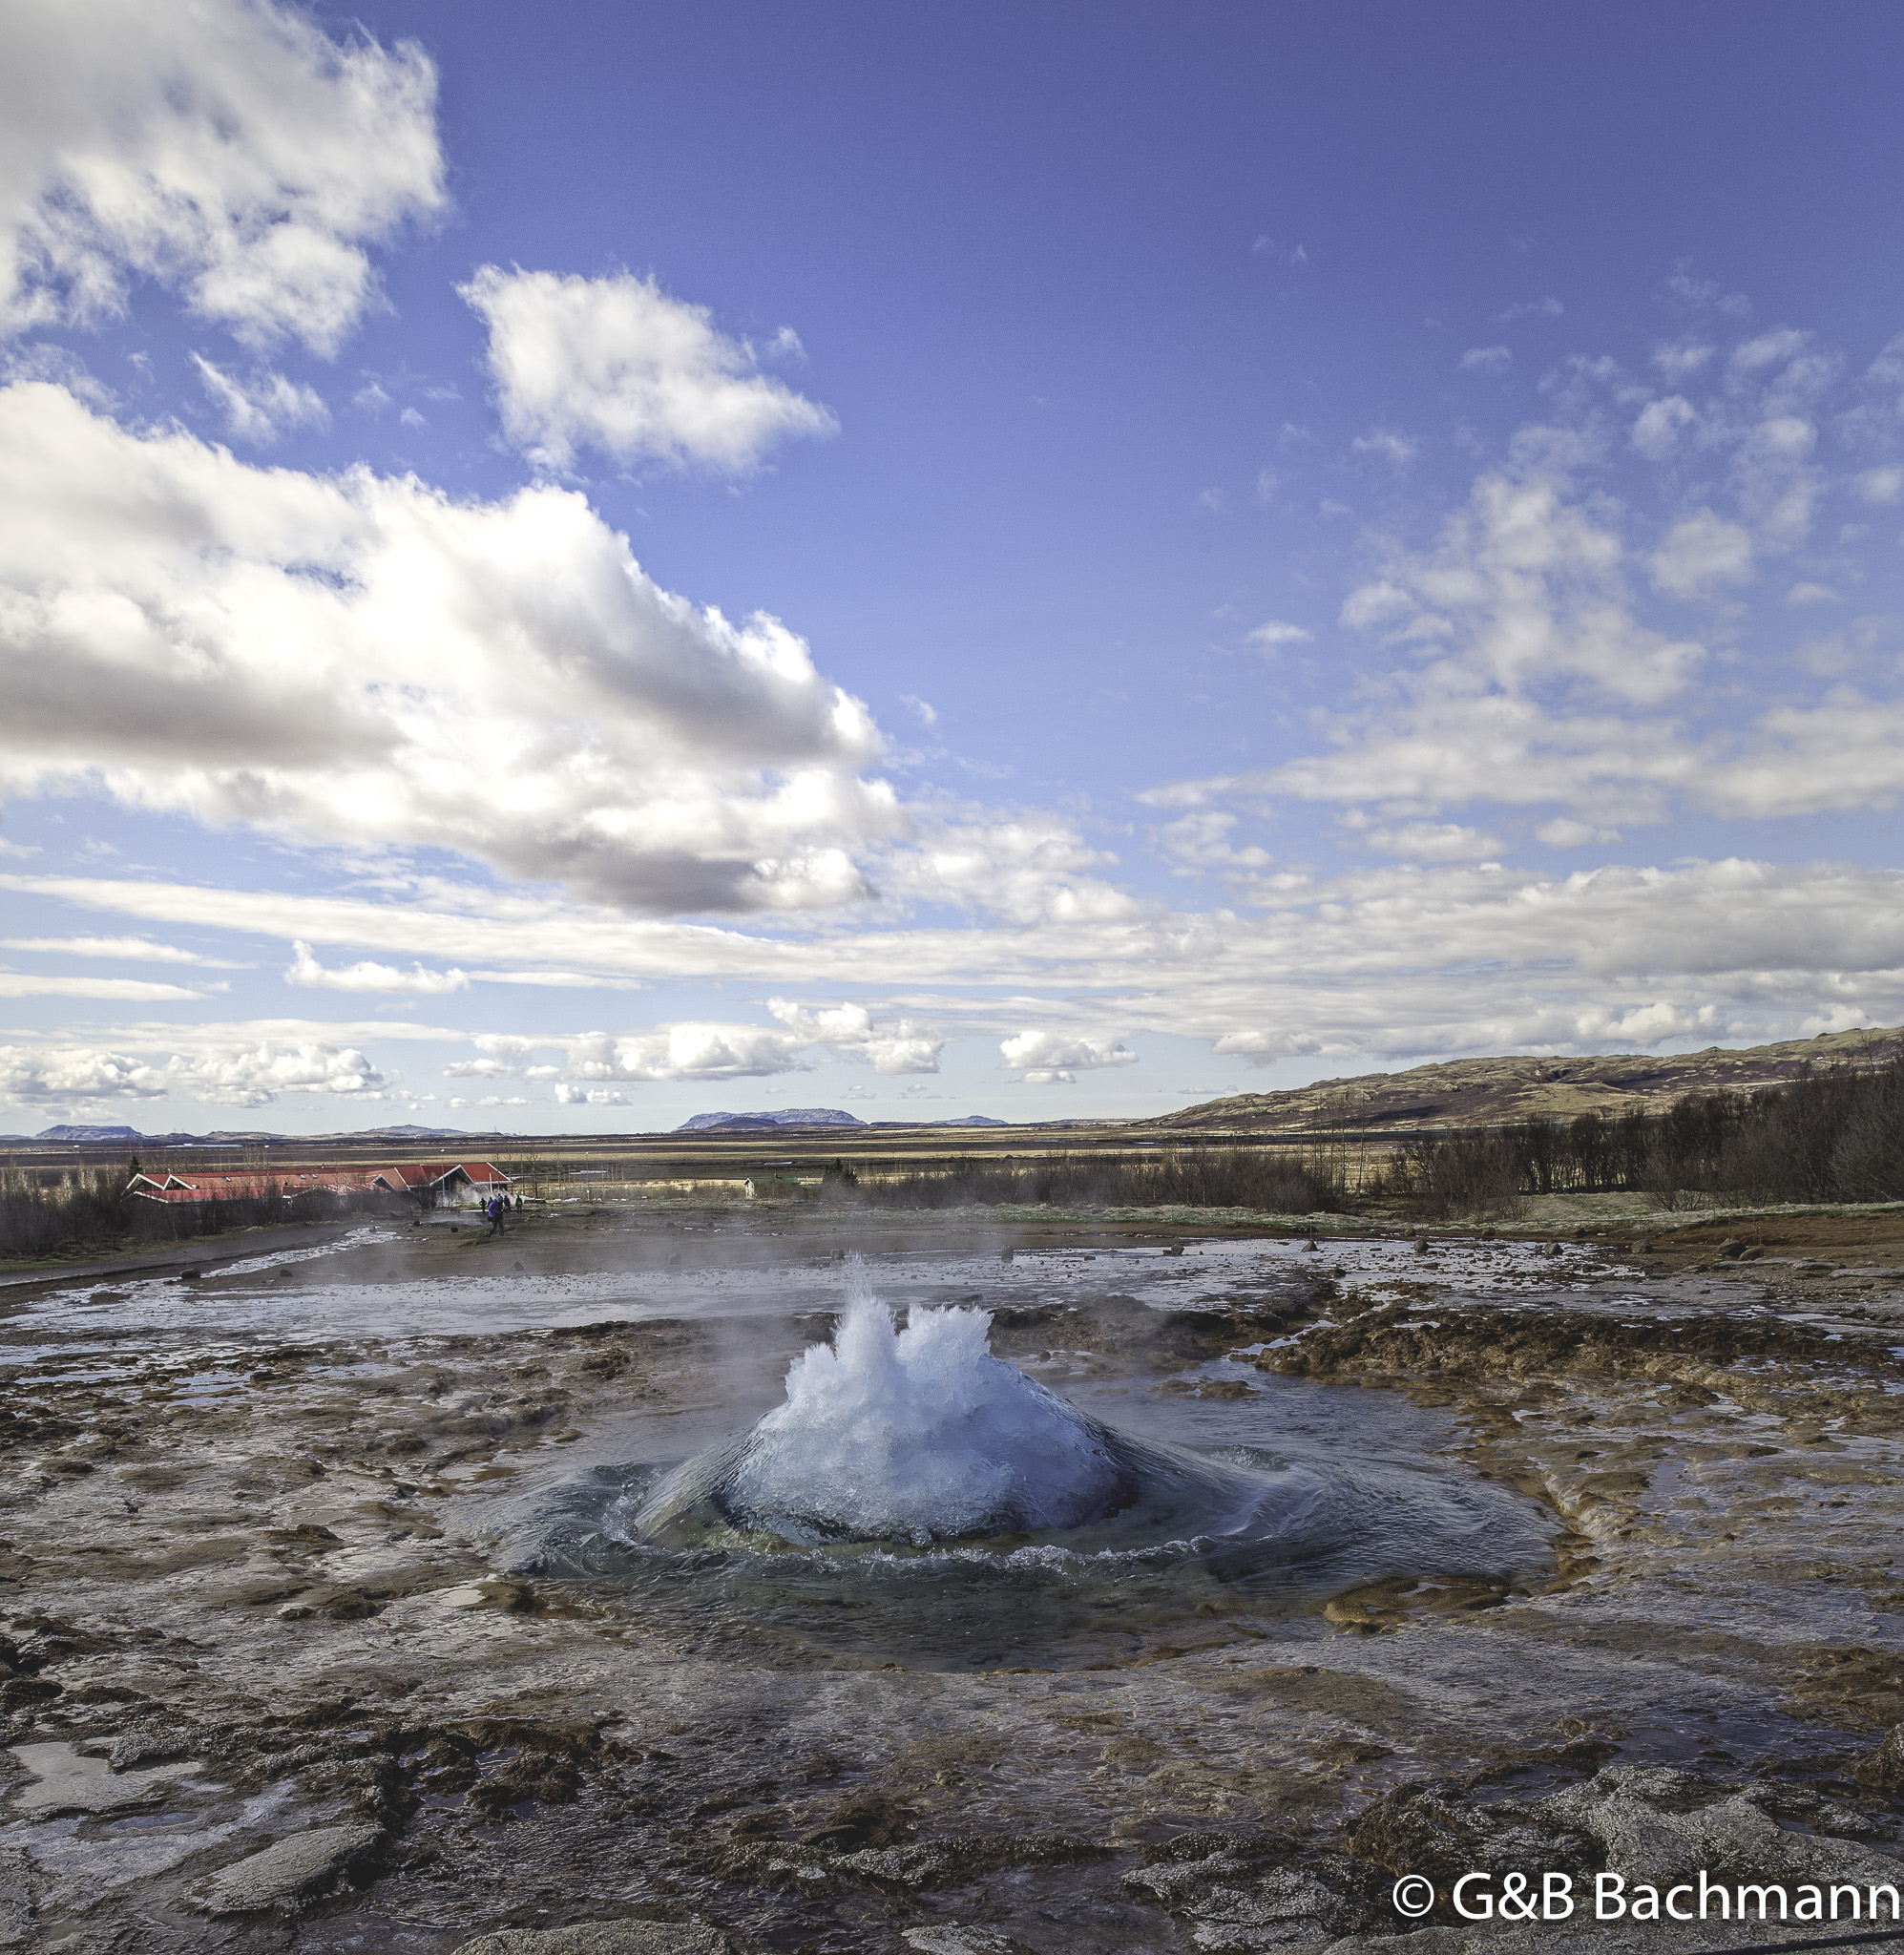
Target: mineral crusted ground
<point>268,1681</point>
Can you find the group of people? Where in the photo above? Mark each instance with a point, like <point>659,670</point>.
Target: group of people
<point>495,1209</point>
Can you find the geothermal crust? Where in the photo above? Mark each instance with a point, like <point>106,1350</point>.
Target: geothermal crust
<point>275,1675</point>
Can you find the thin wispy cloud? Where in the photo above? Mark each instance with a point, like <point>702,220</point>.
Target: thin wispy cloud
<point>1548,307</point>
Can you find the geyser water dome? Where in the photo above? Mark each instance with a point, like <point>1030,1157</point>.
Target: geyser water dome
<point>915,1497</point>
<point>915,1436</point>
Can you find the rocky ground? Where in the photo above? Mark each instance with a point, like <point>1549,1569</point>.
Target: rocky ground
<point>268,1680</point>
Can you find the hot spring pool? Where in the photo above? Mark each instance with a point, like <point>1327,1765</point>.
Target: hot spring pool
<point>920,1499</point>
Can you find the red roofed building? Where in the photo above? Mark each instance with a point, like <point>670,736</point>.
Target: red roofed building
<point>222,1188</point>
<point>452,1181</point>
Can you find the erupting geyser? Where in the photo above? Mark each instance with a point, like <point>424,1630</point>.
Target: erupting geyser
<point>915,1436</point>
<point>916,1494</point>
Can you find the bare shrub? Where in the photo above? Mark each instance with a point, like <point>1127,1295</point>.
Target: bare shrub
<point>1835,1135</point>
<point>1267,1180</point>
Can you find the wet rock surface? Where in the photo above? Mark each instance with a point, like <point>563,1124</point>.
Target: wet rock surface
<point>272,1674</point>
<point>605,1938</point>
<point>286,1874</point>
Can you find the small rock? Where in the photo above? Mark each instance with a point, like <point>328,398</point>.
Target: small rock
<point>289,1873</point>
<point>958,1938</point>
<point>1421,1247</point>
<point>351,1605</point>
<point>605,1938</point>
<point>144,1748</point>
<point>1883,1771</point>
<point>18,1691</point>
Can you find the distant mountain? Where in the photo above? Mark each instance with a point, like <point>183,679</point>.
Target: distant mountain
<point>766,1123</point>
<point>230,1137</point>
<point>970,1120</point>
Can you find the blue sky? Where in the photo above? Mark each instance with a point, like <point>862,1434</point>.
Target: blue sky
<point>568,568</point>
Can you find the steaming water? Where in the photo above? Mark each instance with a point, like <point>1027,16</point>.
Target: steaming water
<point>914,1436</point>
<point>916,1496</point>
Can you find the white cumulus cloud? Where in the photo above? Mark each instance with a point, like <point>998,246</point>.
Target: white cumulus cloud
<point>1058,1052</point>
<point>1564,832</point>
<point>306,971</point>
<point>615,364</point>
<point>1660,424</point>
<point>1434,841</point>
<point>254,1075</point>
<point>567,1095</point>
<point>1388,444</point>
<point>364,661</point>
<point>892,1045</point>
<point>230,149</point>
<point>1700,554</point>
<point>1275,633</point>
<point>239,1075</point>
<point>29,1075</point>
<point>705,1052</point>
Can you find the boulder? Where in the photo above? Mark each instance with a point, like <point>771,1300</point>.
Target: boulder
<point>289,1872</point>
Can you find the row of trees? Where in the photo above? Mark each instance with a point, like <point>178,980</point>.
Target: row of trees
<point>1271,1183</point>
<point>1835,1136</point>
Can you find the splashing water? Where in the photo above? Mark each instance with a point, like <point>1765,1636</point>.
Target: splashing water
<point>919,1435</point>
<point>914,1494</point>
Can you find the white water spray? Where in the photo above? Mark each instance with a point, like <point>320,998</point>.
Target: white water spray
<point>918,1435</point>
